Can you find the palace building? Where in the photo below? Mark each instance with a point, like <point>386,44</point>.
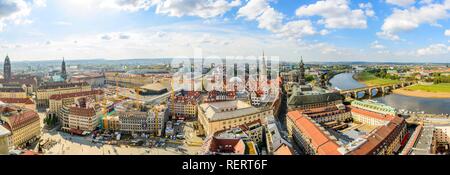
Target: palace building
<point>349,131</point>
<point>57,101</point>
<point>45,91</point>
<point>22,123</point>
<point>223,115</point>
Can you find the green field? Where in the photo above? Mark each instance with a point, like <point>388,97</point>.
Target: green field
<point>371,80</point>
<point>443,87</point>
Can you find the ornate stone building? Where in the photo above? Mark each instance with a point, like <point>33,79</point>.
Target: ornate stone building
<point>7,69</point>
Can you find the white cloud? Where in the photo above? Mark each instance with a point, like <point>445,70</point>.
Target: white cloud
<point>434,49</point>
<point>203,9</point>
<point>177,8</point>
<point>13,12</point>
<point>298,29</point>
<point>368,9</point>
<point>270,19</point>
<point>127,5</point>
<point>412,18</point>
<point>63,23</point>
<point>447,32</point>
<point>337,14</point>
<point>114,36</point>
<point>324,32</point>
<point>402,3</point>
<point>106,37</point>
<point>253,9</point>
<point>426,1</point>
<point>124,36</point>
<point>40,3</point>
<point>260,10</point>
<point>388,35</point>
<point>377,45</point>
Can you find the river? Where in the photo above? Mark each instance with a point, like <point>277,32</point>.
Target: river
<point>429,105</point>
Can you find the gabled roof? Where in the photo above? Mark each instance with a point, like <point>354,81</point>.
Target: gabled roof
<point>17,100</point>
<point>298,99</point>
<point>75,94</point>
<point>321,142</point>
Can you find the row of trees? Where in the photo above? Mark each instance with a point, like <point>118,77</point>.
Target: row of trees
<point>51,120</point>
<point>382,73</point>
<point>438,79</point>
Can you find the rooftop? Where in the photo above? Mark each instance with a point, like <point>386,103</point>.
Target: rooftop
<point>284,150</point>
<point>324,143</point>
<point>11,89</point>
<point>154,87</point>
<point>17,100</point>
<point>76,94</point>
<point>371,114</point>
<point>4,131</point>
<point>227,110</point>
<point>56,85</point>
<point>226,146</point>
<point>352,142</point>
<point>423,144</point>
<point>300,99</point>
<point>84,112</point>
<point>17,117</point>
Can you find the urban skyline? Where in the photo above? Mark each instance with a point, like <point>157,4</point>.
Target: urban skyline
<point>225,77</point>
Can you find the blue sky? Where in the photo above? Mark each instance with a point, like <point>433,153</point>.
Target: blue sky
<point>326,30</point>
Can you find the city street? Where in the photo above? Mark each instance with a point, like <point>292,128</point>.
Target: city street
<point>76,145</point>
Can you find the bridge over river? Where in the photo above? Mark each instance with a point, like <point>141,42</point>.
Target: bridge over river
<point>371,91</point>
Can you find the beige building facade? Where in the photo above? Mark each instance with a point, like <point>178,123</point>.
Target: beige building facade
<point>219,116</point>
<point>22,123</point>
<point>44,92</point>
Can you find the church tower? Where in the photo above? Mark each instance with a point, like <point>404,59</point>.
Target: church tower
<point>301,76</point>
<point>7,69</point>
<point>63,70</point>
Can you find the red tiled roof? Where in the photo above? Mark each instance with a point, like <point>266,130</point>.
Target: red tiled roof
<point>20,119</point>
<point>17,100</point>
<point>76,94</point>
<point>28,80</point>
<point>319,140</point>
<point>376,139</point>
<point>85,112</point>
<point>323,111</point>
<point>54,85</point>
<point>9,89</point>
<point>6,126</point>
<point>371,114</point>
<point>227,146</point>
<point>29,153</point>
<point>284,150</point>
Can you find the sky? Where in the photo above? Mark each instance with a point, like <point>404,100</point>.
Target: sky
<point>325,30</point>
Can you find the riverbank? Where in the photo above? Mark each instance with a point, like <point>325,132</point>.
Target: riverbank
<point>419,93</point>
<point>371,80</point>
<point>417,104</point>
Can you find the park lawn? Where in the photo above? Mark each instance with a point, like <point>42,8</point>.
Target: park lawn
<point>442,87</point>
<point>371,80</point>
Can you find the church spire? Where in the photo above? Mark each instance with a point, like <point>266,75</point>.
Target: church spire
<point>7,68</point>
<point>63,70</point>
<point>301,76</point>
